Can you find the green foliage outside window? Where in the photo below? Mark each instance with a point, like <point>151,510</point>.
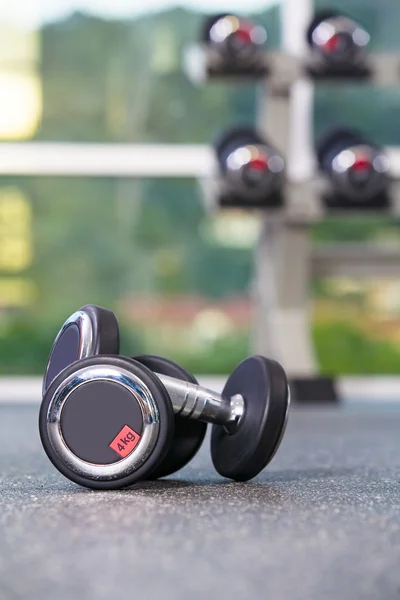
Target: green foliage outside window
<point>107,241</point>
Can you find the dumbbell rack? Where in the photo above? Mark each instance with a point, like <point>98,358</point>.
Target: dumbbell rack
<point>285,258</point>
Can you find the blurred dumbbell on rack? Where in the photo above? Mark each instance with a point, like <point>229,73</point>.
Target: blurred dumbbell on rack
<point>338,46</point>
<point>251,172</point>
<point>355,171</point>
<point>229,46</point>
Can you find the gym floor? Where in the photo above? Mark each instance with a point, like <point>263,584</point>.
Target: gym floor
<point>321,522</point>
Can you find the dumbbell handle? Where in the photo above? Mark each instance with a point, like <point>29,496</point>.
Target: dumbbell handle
<point>192,401</point>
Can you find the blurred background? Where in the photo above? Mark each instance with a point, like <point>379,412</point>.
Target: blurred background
<point>178,277</point>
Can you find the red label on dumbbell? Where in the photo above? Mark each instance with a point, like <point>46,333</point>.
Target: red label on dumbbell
<point>125,442</point>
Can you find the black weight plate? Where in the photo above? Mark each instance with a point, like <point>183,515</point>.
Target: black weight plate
<point>95,412</point>
<point>208,23</point>
<point>90,331</point>
<point>235,137</point>
<point>320,16</point>
<point>263,385</point>
<point>189,435</point>
<point>337,139</point>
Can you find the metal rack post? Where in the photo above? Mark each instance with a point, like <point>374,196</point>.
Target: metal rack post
<point>283,254</point>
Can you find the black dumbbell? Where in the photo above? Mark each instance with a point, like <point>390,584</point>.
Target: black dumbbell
<point>236,39</point>
<point>93,331</point>
<point>108,421</point>
<point>252,169</point>
<point>337,39</point>
<point>357,168</point>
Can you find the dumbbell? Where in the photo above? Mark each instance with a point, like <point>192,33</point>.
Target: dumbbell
<point>336,39</point>
<point>237,40</point>
<point>108,421</point>
<point>252,169</point>
<point>357,168</point>
<point>93,331</point>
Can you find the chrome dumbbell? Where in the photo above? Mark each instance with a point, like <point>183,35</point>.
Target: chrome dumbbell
<point>356,168</point>
<point>93,331</point>
<point>337,40</point>
<point>252,170</point>
<point>235,39</point>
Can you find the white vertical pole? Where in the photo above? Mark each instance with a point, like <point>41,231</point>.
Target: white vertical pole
<point>295,18</point>
<point>283,261</point>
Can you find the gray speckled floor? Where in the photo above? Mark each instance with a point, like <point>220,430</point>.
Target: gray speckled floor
<point>322,522</point>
